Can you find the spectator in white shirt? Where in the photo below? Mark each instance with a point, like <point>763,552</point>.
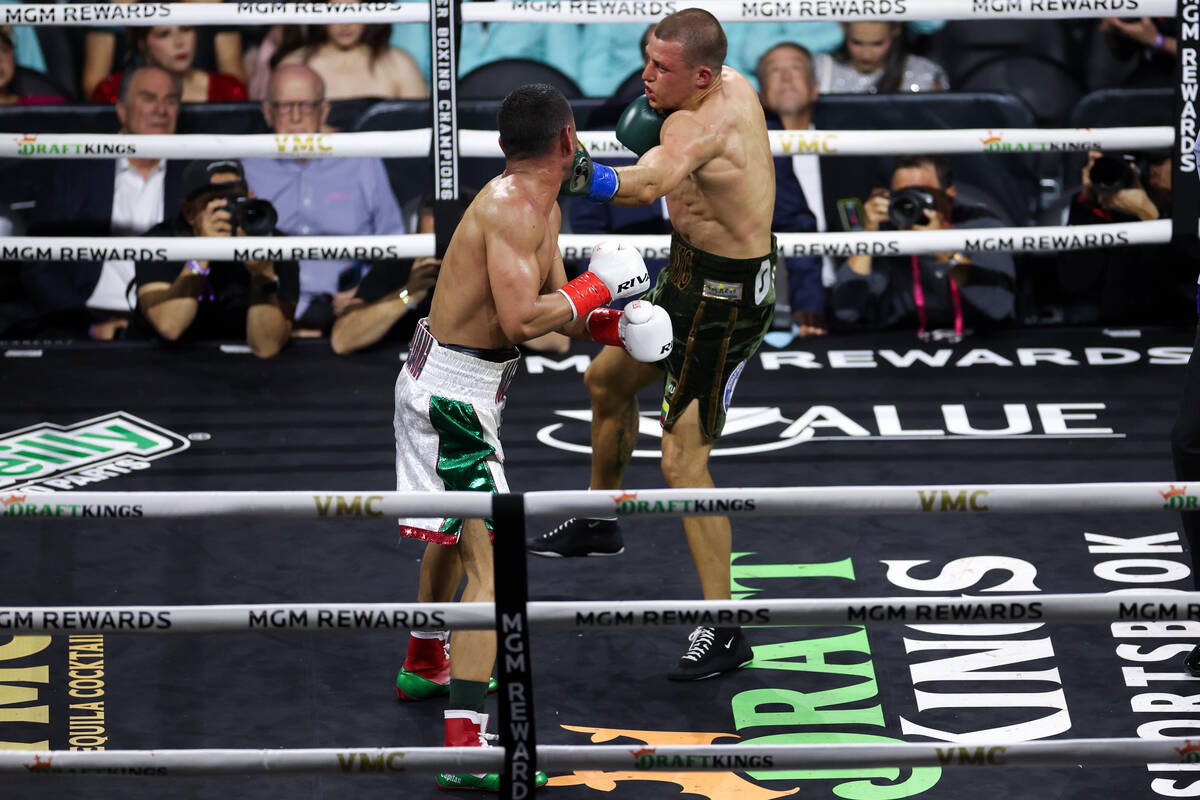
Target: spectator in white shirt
<point>788,87</point>
<point>104,197</point>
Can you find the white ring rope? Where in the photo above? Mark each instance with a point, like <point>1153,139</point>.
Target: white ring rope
<point>572,11</point>
<point>414,143</point>
<point>208,248</point>
<point>1042,239</point>
<point>1018,498</point>
<point>1109,752</point>
<point>585,11</point>
<point>148,14</point>
<point>577,245</point>
<point>1092,608</point>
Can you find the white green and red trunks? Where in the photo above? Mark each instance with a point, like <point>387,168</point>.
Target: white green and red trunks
<point>448,407</point>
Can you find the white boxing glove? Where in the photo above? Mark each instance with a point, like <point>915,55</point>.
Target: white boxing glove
<point>615,271</point>
<point>645,331</point>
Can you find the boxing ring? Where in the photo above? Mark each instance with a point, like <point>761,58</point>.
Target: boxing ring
<point>234,548</point>
<point>514,615</point>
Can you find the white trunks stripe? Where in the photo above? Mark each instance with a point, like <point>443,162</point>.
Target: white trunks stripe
<point>461,375</point>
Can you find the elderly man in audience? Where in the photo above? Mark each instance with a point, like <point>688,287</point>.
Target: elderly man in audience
<point>788,89</point>
<point>105,197</point>
<point>317,196</point>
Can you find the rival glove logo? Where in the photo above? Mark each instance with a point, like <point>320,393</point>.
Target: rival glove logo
<point>49,457</point>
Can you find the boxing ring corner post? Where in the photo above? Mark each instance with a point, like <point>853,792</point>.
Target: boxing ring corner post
<point>516,725</point>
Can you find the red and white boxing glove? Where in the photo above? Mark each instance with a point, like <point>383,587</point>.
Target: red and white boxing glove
<point>615,271</point>
<point>644,330</point>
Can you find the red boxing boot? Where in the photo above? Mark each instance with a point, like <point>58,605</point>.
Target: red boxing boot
<point>426,670</point>
<point>469,729</point>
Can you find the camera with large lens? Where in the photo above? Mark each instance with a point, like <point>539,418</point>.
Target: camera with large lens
<point>907,207</point>
<point>255,216</point>
<point>1111,174</point>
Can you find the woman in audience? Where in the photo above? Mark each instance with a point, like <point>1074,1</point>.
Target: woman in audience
<point>873,59</point>
<point>173,48</point>
<point>265,55</point>
<point>13,91</point>
<point>218,49</point>
<point>355,60</point>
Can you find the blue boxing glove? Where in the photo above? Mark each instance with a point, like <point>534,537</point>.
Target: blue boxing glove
<point>596,182</point>
<point>640,126</point>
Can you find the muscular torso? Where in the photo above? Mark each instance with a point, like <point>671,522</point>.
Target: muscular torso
<point>725,207</point>
<point>464,304</point>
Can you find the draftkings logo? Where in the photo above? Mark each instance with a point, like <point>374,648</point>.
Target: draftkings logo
<point>1176,498</point>
<point>994,142</point>
<point>628,503</point>
<point>49,457</point>
<point>709,785</point>
<point>1189,753</point>
<point>28,145</point>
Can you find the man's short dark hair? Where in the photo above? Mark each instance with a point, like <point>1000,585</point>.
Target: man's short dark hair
<point>644,41</point>
<point>940,166</point>
<point>703,40</point>
<point>127,80</point>
<point>530,120</point>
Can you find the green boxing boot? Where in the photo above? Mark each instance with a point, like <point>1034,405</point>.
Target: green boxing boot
<point>426,670</point>
<point>416,686</point>
<point>468,729</point>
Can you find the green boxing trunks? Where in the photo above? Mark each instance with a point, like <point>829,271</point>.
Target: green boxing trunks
<point>720,310</point>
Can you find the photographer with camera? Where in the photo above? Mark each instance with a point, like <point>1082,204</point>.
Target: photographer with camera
<point>1112,190</point>
<point>253,300</point>
<point>1150,284</point>
<point>932,293</point>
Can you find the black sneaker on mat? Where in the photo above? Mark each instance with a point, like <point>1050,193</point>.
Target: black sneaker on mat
<point>1191,662</point>
<point>711,652</point>
<point>578,537</point>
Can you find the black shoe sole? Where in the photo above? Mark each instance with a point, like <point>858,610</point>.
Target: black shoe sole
<point>685,678</point>
<point>552,554</point>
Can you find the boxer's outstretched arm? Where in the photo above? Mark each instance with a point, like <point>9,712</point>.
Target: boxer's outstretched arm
<point>555,280</point>
<point>513,233</point>
<point>686,145</point>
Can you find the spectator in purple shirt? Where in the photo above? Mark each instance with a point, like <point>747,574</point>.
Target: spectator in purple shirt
<point>319,196</point>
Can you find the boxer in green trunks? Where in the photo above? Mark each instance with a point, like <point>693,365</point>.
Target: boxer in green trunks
<point>720,310</point>
<point>702,140</point>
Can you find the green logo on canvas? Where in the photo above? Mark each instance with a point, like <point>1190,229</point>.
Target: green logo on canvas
<point>48,457</point>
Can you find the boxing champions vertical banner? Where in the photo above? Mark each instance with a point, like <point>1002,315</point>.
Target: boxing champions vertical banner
<point>1185,183</point>
<point>444,16</point>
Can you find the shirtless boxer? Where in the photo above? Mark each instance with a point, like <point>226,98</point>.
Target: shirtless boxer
<point>712,161</point>
<point>502,282</point>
